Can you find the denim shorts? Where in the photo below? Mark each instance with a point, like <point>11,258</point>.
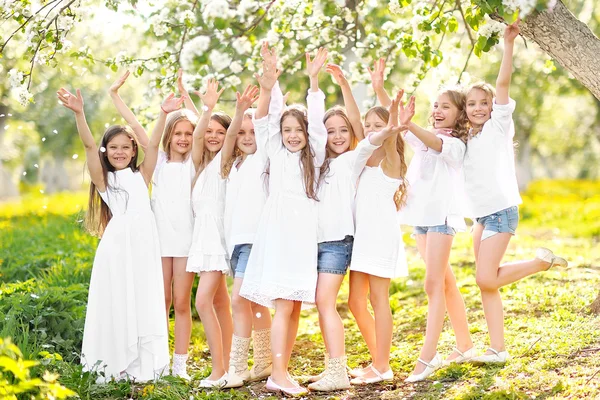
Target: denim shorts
<point>503,221</point>
<point>443,229</point>
<point>239,259</point>
<point>334,257</point>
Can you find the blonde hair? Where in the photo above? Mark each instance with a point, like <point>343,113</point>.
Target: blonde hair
<point>172,119</point>
<point>226,169</point>
<point>459,99</point>
<point>489,91</point>
<point>224,120</point>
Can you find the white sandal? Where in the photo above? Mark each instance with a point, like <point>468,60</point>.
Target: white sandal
<point>462,356</point>
<point>430,367</point>
<point>387,376</point>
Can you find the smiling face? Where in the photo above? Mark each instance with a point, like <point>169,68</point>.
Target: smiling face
<point>245,139</point>
<point>120,150</point>
<point>445,112</point>
<point>479,107</point>
<point>339,136</point>
<point>181,139</point>
<point>215,135</point>
<point>374,120</point>
<point>293,133</point>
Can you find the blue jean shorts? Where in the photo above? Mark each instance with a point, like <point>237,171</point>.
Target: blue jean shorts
<point>334,257</point>
<point>503,221</point>
<point>239,259</point>
<point>443,229</point>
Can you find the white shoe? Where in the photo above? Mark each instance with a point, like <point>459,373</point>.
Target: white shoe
<point>496,357</point>
<point>223,382</point>
<point>462,357</point>
<point>548,256</point>
<point>430,367</point>
<point>358,372</point>
<point>387,376</point>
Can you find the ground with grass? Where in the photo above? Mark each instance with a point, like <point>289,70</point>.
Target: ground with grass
<point>45,265</point>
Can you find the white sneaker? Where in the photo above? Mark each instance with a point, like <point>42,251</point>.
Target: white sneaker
<point>462,357</point>
<point>430,367</point>
<point>548,256</point>
<point>496,357</point>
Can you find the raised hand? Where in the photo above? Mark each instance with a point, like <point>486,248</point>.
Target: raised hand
<point>182,90</point>
<point>314,66</point>
<point>71,101</point>
<point>114,88</point>
<point>393,119</point>
<point>406,112</point>
<point>246,99</point>
<point>512,31</point>
<point>172,103</point>
<point>377,73</point>
<point>269,77</point>
<point>211,96</point>
<point>268,55</point>
<point>338,75</point>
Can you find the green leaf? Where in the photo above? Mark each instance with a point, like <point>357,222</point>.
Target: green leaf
<point>452,24</point>
<point>114,67</point>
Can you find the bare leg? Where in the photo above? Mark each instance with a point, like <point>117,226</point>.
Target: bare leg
<point>182,292</point>
<point>167,267</point>
<point>458,315</point>
<point>357,302</point>
<point>292,331</point>
<point>222,304</point>
<point>332,327</point>
<point>261,317</point>
<point>379,289</point>
<point>279,334</point>
<point>242,311</point>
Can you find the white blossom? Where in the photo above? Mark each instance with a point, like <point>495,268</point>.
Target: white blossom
<point>188,16</point>
<point>219,60</point>
<point>242,45</point>
<point>22,95</point>
<point>233,80</point>
<point>215,9</point>
<point>150,65</point>
<point>195,47</point>
<point>120,58</point>
<point>395,7</point>
<point>236,67</point>
<point>159,29</point>
<point>490,27</point>
<point>15,77</point>
<point>65,22</point>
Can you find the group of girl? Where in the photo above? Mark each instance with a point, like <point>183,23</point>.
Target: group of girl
<point>284,198</point>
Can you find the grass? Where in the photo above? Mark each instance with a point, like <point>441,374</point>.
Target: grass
<point>45,262</point>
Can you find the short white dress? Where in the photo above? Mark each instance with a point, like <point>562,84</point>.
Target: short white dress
<point>125,323</point>
<point>172,205</point>
<point>378,246</point>
<point>283,260</point>
<point>209,251</point>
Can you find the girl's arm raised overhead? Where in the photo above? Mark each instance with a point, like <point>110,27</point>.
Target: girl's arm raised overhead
<point>511,32</point>
<point>125,112</point>
<point>209,99</point>
<point>170,104</point>
<point>392,163</point>
<point>75,104</point>
<point>352,109</point>
<point>317,133</point>
<point>243,103</point>
<point>189,104</point>
<point>378,80</point>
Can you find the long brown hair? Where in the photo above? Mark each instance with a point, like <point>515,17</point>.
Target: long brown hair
<point>226,169</point>
<point>338,111</point>
<point>172,119</point>
<point>400,195</point>
<point>459,100</point>
<point>207,156</point>
<point>98,213</point>
<point>488,90</point>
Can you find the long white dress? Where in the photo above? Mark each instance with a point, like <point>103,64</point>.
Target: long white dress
<point>209,251</point>
<point>125,323</point>
<point>283,260</point>
<point>172,206</point>
<point>378,247</point>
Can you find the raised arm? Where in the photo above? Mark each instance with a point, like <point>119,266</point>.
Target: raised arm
<point>267,80</point>
<point>377,81</point>
<point>391,164</point>
<point>352,109</point>
<point>125,112</point>
<point>511,32</point>
<point>317,133</point>
<point>209,99</point>
<point>170,104</point>
<point>244,101</point>
<point>75,104</point>
<point>189,104</point>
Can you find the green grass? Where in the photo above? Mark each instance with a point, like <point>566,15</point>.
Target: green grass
<point>45,263</point>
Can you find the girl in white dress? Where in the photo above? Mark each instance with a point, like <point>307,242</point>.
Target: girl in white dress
<point>208,254</point>
<point>125,330</point>
<point>171,204</point>
<point>243,165</point>
<point>378,253</point>
<point>282,269</point>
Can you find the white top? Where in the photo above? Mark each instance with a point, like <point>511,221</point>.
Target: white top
<point>378,247</point>
<point>283,260</point>
<point>489,167</point>
<point>435,185</point>
<point>208,251</point>
<point>171,203</point>
<point>337,192</point>
<point>246,191</point>
<point>126,324</point>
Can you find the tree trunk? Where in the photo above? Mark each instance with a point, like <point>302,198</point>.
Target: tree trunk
<point>7,186</point>
<point>524,165</point>
<point>569,41</point>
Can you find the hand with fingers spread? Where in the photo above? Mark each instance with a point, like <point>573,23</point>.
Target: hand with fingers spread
<point>211,96</point>
<point>114,88</point>
<point>182,90</point>
<point>314,66</point>
<point>393,109</point>
<point>406,112</point>
<point>171,103</point>
<point>71,101</point>
<point>377,74</point>
<point>246,99</point>
<point>337,74</point>
<point>512,31</point>
<point>269,77</point>
<point>269,56</point>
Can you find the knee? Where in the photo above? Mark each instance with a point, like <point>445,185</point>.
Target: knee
<point>379,301</point>
<point>221,302</point>
<point>434,287</point>
<point>324,304</point>
<point>239,303</point>
<point>486,284</point>
<point>204,304</point>
<point>181,304</point>
<point>357,304</point>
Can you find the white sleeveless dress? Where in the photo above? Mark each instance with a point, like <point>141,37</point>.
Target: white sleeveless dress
<point>172,206</point>
<point>378,247</point>
<point>125,324</point>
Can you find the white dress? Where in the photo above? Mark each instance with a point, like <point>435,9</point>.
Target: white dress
<point>209,251</point>
<point>171,203</point>
<point>283,260</point>
<point>378,247</point>
<point>125,323</point>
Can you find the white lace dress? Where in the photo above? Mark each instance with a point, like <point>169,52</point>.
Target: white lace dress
<point>283,260</point>
<point>209,251</point>
<point>125,323</point>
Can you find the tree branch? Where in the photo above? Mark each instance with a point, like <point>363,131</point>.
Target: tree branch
<point>26,22</point>
<point>467,26</point>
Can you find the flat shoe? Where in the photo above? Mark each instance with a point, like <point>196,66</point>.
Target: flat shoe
<point>358,372</point>
<point>462,357</point>
<point>548,256</point>
<point>271,386</point>
<point>496,357</point>
<point>430,368</point>
<point>387,376</point>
